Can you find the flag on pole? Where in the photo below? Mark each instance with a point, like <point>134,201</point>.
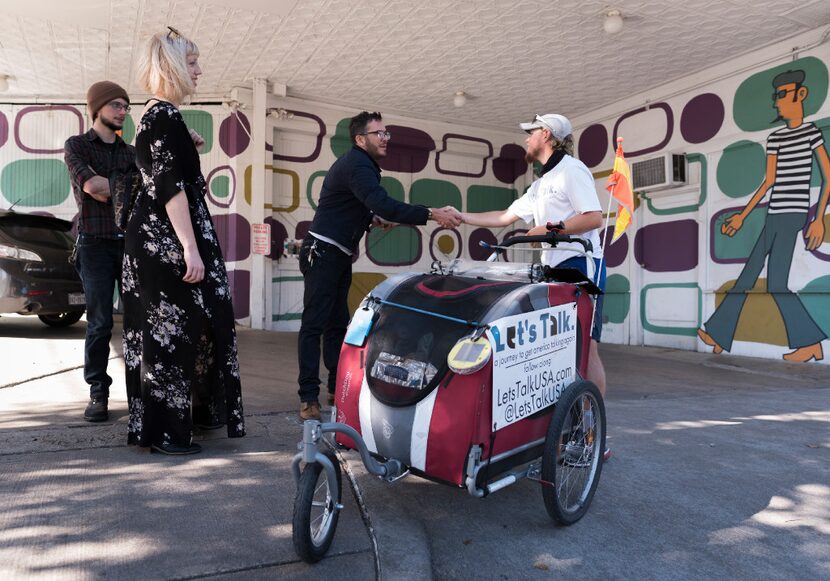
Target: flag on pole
<point>619,186</point>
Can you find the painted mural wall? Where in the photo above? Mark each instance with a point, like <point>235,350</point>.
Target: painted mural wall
<point>429,163</point>
<point>738,259</point>
<point>687,274</point>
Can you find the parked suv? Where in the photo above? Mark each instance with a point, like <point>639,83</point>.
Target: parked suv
<point>36,277</point>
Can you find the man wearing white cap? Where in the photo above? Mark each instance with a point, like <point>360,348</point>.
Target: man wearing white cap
<point>565,191</point>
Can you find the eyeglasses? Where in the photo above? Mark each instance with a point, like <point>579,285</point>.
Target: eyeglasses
<point>173,33</point>
<point>781,93</point>
<point>119,107</point>
<point>380,133</point>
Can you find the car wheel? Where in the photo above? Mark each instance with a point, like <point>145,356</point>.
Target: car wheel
<point>62,319</point>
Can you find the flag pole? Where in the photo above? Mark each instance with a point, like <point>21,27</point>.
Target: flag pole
<point>611,199</point>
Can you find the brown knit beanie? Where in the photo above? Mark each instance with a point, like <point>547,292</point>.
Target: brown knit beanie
<point>102,93</point>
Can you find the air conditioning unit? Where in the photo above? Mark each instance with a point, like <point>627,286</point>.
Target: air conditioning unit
<point>658,173</point>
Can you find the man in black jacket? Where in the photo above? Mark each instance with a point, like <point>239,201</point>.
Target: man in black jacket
<point>351,201</point>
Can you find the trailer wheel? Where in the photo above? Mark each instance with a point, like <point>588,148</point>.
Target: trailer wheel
<point>572,458</point>
<point>315,511</point>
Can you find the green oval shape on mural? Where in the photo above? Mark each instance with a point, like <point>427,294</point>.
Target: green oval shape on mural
<point>35,183</point>
<point>394,188</point>
<point>399,246</point>
<point>128,131</point>
<point>202,123</point>
<point>309,189</point>
<point>340,141</point>
<point>617,300</point>
<point>739,246</point>
<point>435,194</point>
<point>741,168</point>
<point>220,186</point>
<point>488,198</point>
<point>753,108</point>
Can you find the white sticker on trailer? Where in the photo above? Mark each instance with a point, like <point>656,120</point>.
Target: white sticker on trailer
<point>534,360</point>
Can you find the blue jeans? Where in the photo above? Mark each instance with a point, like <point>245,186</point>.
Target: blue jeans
<point>99,264</point>
<point>327,271</point>
<point>580,263</point>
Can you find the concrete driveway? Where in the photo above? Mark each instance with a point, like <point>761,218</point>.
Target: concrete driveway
<point>721,469</point>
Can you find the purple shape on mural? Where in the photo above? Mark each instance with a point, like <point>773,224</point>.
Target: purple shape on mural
<point>240,283</point>
<point>233,138</point>
<point>449,136</point>
<point>614,253</point>
<point>667,247</point>
<point>4,129</point>
<point>234,233</point>
<point>318,144</point>
<point>701,118</point>
<point>510,164</point>
<point>50,108</point>
<point>301,231</point>
<point>593,145</point>
<point>669,128</point>
<point>478,252</point>
<point>278,237</point>
<point>518,232</point>
<point>408,150</point>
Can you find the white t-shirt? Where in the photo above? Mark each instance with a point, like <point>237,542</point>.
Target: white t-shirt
<point>564,191</point>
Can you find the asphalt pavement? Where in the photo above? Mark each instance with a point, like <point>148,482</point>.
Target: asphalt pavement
<point>721,469</point>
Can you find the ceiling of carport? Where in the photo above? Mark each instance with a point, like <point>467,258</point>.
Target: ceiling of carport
<point>513,57</point>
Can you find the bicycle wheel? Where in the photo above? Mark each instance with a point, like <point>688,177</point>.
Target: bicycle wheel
<point>572,458</point>
<point>315,515</point>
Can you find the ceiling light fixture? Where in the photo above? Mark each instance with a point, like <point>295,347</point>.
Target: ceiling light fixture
<point>460,99</point>
<point>613,22</point>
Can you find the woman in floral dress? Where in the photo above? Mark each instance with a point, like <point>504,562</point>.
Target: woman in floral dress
<point>179,340</point>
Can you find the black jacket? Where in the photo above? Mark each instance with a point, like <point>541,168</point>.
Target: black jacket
<point>352,194</point>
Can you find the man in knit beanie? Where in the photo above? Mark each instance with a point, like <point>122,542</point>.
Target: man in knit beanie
<point>92,159</point>
<point>102,93</point>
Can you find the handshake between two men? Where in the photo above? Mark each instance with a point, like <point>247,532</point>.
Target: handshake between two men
<point>447,217</point>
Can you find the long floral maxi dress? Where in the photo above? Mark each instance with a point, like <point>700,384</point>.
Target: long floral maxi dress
<point>179,339</point>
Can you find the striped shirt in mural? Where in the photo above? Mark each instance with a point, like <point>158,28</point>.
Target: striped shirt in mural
<point>794,151</point>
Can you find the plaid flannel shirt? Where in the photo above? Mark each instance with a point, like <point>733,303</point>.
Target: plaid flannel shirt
<point>88,156</point>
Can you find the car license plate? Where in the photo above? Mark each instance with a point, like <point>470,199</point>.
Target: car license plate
<point>77,299</point>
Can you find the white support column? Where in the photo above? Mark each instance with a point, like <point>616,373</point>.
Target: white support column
<point>259,309</point>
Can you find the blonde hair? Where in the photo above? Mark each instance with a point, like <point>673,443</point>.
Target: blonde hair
<point>162,66</point>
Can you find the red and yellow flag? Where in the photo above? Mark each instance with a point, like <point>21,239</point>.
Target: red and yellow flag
<point>619,185</point>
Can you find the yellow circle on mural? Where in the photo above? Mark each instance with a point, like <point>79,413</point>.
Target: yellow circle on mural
<point>446,244</point>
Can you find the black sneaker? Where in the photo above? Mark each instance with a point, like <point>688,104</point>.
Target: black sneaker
<point>96,410</point>
<point>176,450</point>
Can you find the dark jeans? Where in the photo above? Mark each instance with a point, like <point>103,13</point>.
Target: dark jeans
<point>328,274</point>
<point>99,264</point>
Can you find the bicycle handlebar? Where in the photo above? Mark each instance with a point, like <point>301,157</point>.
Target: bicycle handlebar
<point>551,238</point>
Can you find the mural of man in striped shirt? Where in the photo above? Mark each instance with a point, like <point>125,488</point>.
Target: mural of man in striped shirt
<point>790,152</point>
